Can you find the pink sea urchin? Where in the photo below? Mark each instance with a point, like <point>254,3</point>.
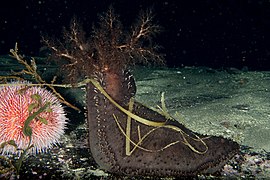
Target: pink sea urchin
<point>14,110</point>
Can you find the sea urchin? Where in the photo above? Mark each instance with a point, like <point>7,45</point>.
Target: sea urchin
<point>15,100</point>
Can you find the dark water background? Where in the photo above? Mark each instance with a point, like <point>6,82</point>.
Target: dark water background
<point>218,34</point>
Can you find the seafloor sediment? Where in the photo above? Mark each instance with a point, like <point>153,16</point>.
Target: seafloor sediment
<point>229,102</point>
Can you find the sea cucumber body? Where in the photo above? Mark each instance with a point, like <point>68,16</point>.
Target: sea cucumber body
<point>107,142</point>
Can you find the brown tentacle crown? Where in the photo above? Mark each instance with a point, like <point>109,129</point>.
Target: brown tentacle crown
<point>126,137</point>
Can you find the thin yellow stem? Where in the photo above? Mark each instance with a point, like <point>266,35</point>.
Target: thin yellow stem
<point>149,123</point>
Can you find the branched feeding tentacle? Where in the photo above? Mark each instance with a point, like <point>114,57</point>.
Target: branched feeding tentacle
<point>109,46</point>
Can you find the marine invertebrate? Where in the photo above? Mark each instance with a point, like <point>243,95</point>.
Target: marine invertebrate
<point>109,47</point>
<point>126,137</point>
<point>29,116</point>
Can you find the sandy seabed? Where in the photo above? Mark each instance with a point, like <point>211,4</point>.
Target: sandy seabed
<point>231,103</point>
